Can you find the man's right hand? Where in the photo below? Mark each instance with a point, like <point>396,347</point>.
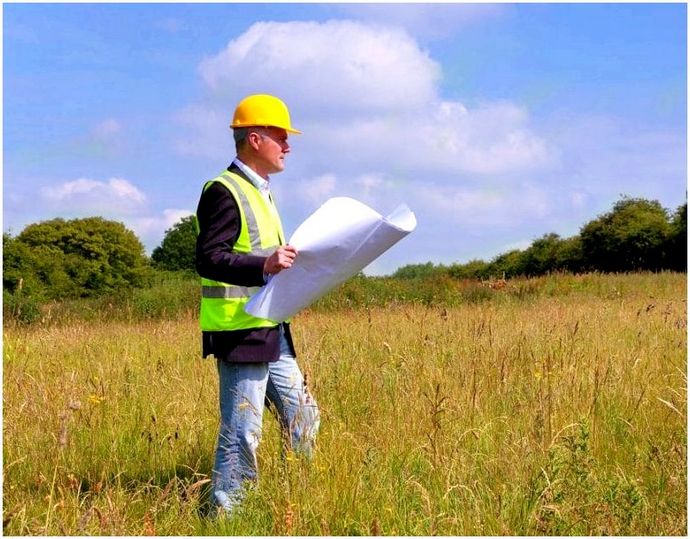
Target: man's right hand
<point>281,259</point>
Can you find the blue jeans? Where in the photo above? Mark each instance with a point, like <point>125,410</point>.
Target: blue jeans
<point>244,388</point>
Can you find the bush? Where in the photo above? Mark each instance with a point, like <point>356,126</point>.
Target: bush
<point>60,259</point>
<point>633,236</point>
<point>20,307</point>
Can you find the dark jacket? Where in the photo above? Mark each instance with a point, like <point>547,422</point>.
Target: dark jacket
<point>219,225</point>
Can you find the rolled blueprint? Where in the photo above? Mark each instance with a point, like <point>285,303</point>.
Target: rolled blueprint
<point>338,240</point>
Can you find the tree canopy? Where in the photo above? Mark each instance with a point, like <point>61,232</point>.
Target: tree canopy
<point>633,236</point>
<point>177,251</point>
<point>61,258</point>
<point>73,258</point>
<point>637,234</point>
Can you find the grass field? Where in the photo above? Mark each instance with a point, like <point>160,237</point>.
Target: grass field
<point>553,406</point>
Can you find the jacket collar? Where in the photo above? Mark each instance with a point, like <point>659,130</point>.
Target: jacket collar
<point>261,184</point>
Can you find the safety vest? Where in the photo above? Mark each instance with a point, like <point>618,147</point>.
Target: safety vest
<point>222,304</point>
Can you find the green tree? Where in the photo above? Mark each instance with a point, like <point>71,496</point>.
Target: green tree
<point>552,253</point>
<point>678,240</point>
<point>22,290</point>
<point>82,257</point>
<point>569,256</point>
<point>474,269</point>
<point>415,271</point>
<point>177,251</point>
<point>543,255</point>
<point>17,270</point>
<point>511,264</point>
<point>633,236</point>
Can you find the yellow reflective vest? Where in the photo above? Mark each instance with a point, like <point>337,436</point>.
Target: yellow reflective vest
<point>261,232</point>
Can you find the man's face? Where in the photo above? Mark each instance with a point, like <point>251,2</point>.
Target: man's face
<point>271,148</point>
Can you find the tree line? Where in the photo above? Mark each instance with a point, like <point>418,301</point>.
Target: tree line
<point>64,259</point>
<point>636,235</point>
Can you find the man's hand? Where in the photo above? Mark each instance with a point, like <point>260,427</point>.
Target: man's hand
<point>281,259</point>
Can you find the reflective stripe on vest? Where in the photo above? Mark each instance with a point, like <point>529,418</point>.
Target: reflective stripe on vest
<point>229,291</point>
<point>222,304</point>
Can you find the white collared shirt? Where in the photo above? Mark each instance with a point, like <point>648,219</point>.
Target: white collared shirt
<point>261,184</point>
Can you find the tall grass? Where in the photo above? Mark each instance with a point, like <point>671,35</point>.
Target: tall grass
<point>554,406</point>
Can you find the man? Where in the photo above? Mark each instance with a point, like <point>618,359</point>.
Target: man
<point>240,245</point>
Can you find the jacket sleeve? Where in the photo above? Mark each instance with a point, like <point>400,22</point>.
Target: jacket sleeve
<point>219,228</point>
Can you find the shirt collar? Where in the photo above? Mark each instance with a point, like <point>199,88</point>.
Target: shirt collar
<point>257,181</point>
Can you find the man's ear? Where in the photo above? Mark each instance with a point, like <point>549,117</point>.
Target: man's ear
<point>253,138</point>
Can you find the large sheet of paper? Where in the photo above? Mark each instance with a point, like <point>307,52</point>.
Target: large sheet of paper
<point>338,240</point>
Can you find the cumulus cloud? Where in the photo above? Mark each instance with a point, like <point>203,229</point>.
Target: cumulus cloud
<point>116,194</point>
<point>367,98</point>
<point>492,138</point>
<point>338,66</point>
<point>443,138</point>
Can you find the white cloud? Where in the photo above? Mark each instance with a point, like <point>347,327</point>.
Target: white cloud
<point>443,138</point>
<point>116,195</point>
<point>367,99</point>
<point>490,139</point>
<point>337,66</point>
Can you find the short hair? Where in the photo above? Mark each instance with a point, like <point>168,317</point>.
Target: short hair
<point>240,135</point>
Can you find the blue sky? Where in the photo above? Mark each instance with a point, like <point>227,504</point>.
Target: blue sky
<point>495,123</point>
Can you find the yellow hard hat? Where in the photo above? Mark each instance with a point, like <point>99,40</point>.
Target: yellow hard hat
<point>262,110</point>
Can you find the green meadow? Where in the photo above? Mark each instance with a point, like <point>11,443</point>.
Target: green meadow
<point>549,406</point>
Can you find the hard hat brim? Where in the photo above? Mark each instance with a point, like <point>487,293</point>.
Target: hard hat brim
<point>288,129</point>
